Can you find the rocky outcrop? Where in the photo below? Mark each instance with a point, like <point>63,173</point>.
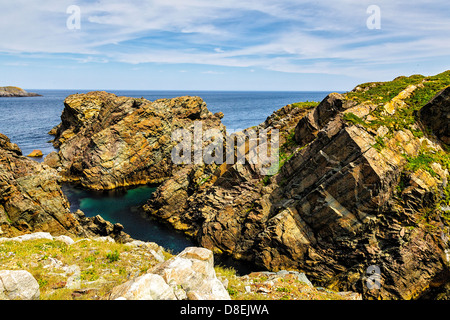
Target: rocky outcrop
<point>307,128</point>
<point>35,154</point>
<point>31,200</point>
<point>30,196</point>
<point>221,184</point>
<point>355,203</point>
<point>188,276</point>
<point>436,115</point>
<point>16,92</point>
<point>107,141</point>
<point>351,197</point>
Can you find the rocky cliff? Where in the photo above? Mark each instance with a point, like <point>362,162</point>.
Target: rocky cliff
<point>107,141</point>
<point>362,186</point>
<point>31,200</point>
<point>359,201</point>
<point>16,92</point>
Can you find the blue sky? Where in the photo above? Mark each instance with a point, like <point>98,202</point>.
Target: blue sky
<point>219,45</point>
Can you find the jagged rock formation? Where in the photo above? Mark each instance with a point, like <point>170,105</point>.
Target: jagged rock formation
<point>107,141</point>
<point>362,184</point>
<point>18,285</point>
<point>360,188</point>
<point>16,92</point>
<point>31,200</point>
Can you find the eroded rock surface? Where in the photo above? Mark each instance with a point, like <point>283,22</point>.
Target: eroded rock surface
<point>333,210</point>
<point>188,276</point>
<point>355,191</point>
<point>107,141</point>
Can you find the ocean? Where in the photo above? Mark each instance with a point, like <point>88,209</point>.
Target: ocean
<point>27,121</point>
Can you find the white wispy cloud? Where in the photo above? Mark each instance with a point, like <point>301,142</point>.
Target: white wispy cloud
<point>286,35</point>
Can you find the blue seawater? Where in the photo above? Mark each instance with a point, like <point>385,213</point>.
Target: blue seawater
<point>27,121</point>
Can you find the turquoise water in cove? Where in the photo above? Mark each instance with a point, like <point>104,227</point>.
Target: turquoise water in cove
<point>122,206</point>
<point>27,121</point>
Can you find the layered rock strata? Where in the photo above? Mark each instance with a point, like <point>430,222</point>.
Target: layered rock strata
<point>357,203</point>
<point>31,200</point>
<point>107,141</point>
<point>436,115</point>
<point>343,205</point>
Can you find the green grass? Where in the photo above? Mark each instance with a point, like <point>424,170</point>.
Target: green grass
<point>379,93</point>
<point>305,105</point>
<point>431,86</point>
<point>425,159</point>
<point>382,92</point>
<point>112,262</point>
<point>113,256</point>
<point>380,144</point>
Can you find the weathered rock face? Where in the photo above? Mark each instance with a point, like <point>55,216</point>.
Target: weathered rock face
<point>334,209</point>
<point>188,276</point>
<point>436,115</point>
<point>107,141</point>
<point>31,199</point>
<point>30,196</point>
<point>206,202</point>
<point>352,194</point>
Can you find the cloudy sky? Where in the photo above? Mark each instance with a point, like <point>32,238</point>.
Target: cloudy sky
<point>219,44</point>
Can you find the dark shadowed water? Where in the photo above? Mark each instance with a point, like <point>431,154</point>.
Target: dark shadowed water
<point>122,206</point>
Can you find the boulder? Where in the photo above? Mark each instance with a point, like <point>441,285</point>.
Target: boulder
<point>107,141</point>
<point>35,154</point>
<point>30,236</point>
<point>147,287</point>
<point>18,285</point>
<point>11,91</point>
<point>189,275</point>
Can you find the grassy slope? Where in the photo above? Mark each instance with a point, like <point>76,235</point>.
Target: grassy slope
<point>379,93</point>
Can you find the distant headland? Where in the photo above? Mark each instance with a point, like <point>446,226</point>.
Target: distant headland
<point>16,92</point>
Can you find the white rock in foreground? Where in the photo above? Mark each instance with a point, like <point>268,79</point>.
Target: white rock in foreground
<point>18,285</point>
<point>146,287</point>
<point>31,236</point>
<point>192,271</point>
